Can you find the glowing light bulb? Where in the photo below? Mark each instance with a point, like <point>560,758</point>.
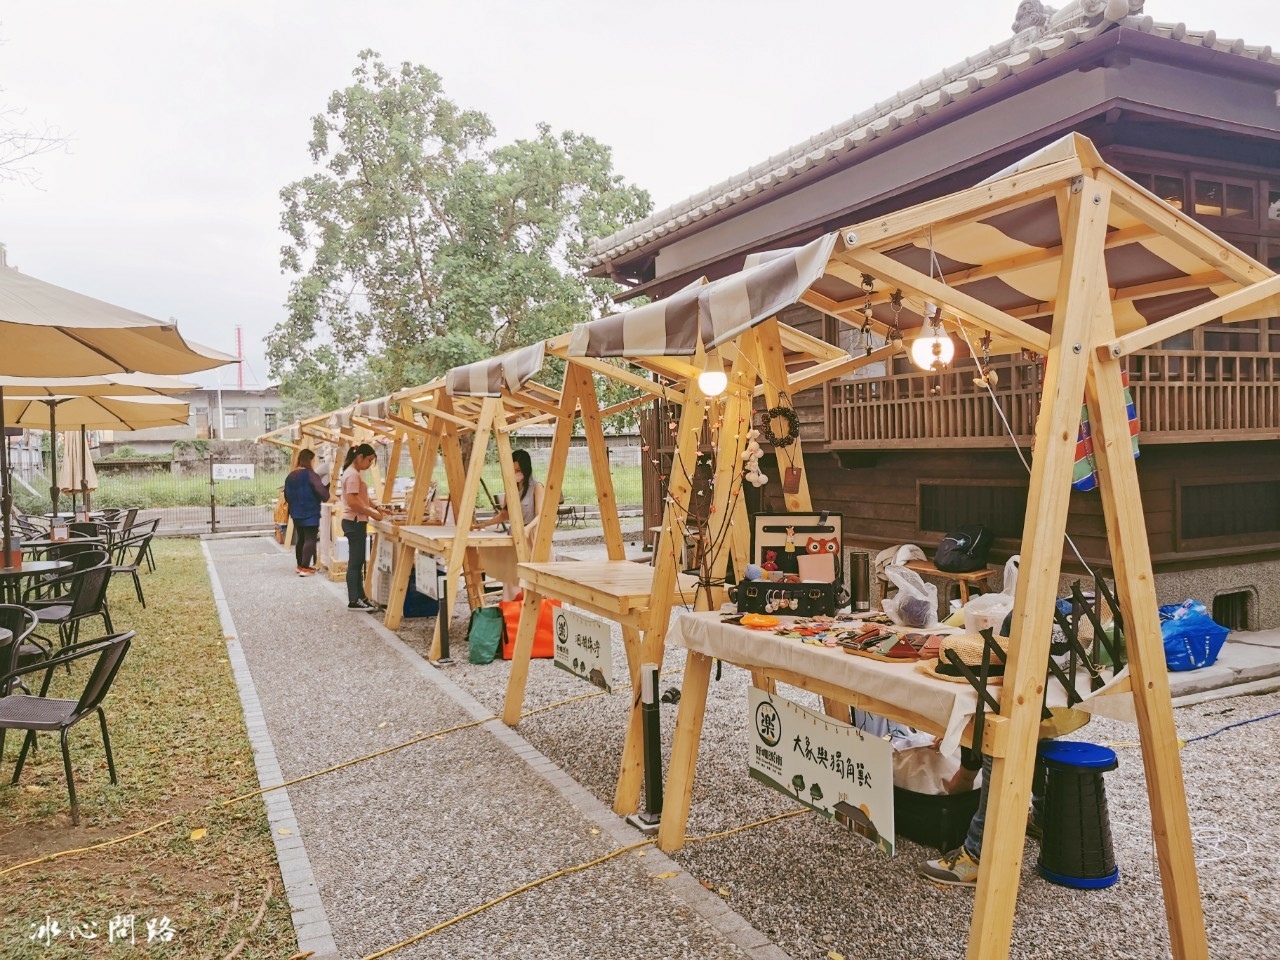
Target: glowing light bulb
<point>932,351</point>
<point>712,381</point>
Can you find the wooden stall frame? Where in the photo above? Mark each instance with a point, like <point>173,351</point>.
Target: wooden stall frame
<point>1083,359</point>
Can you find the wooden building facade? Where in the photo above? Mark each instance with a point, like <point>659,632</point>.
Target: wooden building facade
<point>906,455</point>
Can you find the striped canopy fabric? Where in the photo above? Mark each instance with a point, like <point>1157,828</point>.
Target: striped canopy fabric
<point>1151,274</point>
<point>371,409</point>
<point>1007,255</point>
<point>707,313</point>
<point>487,378</point>
<point>663,328</point>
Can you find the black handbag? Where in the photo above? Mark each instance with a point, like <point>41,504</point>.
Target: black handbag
<point>964,550</point>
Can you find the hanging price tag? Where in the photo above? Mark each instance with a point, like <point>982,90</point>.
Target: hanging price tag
<point>791,479</point>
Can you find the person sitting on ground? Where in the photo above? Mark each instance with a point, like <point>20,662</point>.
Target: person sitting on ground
<point>531,493</point>
<point>304,491</point>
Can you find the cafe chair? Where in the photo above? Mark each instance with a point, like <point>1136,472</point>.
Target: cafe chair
<point>131,530</point>
<point>77,595</point>
<point>22,647</point>
<point>45,714</point>
<point>128,556</point>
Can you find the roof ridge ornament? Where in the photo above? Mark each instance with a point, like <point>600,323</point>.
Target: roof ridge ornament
<point>1035,20</point>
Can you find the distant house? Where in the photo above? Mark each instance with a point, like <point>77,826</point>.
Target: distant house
<point>216,414</point>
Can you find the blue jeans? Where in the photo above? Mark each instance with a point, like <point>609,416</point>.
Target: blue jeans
<point>973,839</point>
<point>357,543</point>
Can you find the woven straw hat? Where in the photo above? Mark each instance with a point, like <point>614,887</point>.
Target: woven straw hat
<point>968,647</point>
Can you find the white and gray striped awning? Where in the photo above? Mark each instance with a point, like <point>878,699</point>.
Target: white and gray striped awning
<point>371,409</point>
<point>707,313</point>
<point>487,378</point>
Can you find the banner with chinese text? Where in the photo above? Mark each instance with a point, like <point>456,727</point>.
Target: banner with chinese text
<point>832,767</point>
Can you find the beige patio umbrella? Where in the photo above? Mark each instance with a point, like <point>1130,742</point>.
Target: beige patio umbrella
<point>53,392</point>
<point>77,473</point>
<point>48,331</point>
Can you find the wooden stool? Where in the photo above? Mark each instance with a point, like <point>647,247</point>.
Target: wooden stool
<point>974,578</point>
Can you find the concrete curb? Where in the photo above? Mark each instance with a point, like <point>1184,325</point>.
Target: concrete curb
<point>310,921</point>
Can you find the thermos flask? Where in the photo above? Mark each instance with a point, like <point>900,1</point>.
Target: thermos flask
<point>860,588</point>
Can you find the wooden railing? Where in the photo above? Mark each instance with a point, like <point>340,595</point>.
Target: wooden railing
<point>1180,397</point>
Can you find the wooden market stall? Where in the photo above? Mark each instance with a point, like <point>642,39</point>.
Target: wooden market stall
<point>664,341</point>
<point>1064,257</point>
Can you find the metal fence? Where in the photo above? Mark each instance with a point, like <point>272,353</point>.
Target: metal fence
<point>212,494</point>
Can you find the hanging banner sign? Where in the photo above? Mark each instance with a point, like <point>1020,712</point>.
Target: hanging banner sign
<point>425,575</point>
<point>829,766</point>
<point>233,471</point>
<point>386,555</point>
<point>584,647</point>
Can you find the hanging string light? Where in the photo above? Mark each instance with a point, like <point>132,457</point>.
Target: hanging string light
<point>933,351</point>
<point>713,381</point>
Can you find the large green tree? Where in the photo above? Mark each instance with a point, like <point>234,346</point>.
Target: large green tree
<point>419,245</point>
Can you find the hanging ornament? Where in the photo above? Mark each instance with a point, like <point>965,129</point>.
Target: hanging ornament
<point>895,304</point>
<point>751,458</point>
<point>789,417</point>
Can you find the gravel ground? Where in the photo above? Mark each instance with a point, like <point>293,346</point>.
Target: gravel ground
<point>405,841</point>
<point>813,889</point>
<point>805,883</point>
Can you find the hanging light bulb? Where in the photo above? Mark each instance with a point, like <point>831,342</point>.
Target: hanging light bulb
<point>713,381</point>
<point>935,350</point>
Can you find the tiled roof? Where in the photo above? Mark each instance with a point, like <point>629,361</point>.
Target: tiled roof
<point>929,96</point>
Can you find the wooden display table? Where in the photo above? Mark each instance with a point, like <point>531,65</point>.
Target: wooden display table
<point>896,691</point>
<point>482,545</point>
<point>617,590</point>
<point>974,578</point>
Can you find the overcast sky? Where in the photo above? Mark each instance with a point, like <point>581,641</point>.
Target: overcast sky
<point>187,118</point>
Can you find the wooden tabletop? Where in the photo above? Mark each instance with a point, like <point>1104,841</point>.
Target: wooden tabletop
<point>438,538</point>
<point>608,586</point>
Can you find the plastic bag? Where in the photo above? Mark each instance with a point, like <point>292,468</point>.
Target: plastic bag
<point>916,602</point>
<point>1191,637</point>
<point>988,610</point>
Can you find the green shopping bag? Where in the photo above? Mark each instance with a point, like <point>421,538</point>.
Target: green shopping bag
<point>485,634</point>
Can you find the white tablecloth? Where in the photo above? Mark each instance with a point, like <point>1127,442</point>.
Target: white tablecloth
<point>949,706</point>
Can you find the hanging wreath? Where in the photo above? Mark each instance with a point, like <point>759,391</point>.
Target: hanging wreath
<point>793,426</point>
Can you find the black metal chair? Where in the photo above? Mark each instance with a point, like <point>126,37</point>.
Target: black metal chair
<point>20,649</point>
<point>128,556</point>
<point>45,714</point>
<point>136,530</point>
<point>76,596</point>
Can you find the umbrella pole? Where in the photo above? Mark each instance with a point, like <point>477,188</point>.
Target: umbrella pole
<point>84,468</point>
<point>6,502</point>
<point>53,454</point>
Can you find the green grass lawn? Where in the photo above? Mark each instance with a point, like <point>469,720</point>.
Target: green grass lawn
<point>179,740</point>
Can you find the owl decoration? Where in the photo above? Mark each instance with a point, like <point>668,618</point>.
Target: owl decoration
<point>816,545</point>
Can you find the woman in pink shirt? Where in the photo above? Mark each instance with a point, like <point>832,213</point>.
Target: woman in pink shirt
<point>356,511</point>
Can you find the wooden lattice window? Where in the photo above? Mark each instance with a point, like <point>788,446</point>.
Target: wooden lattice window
<point>1000,506</point>
<point>1228,513</point>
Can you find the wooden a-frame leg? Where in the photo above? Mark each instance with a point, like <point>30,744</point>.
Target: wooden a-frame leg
<point>1083,276</point>
<point>1158,733</point>
<point>519,678</point>
<point>684,751</point>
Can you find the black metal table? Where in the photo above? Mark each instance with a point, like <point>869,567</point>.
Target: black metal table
<point>11,577</point>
